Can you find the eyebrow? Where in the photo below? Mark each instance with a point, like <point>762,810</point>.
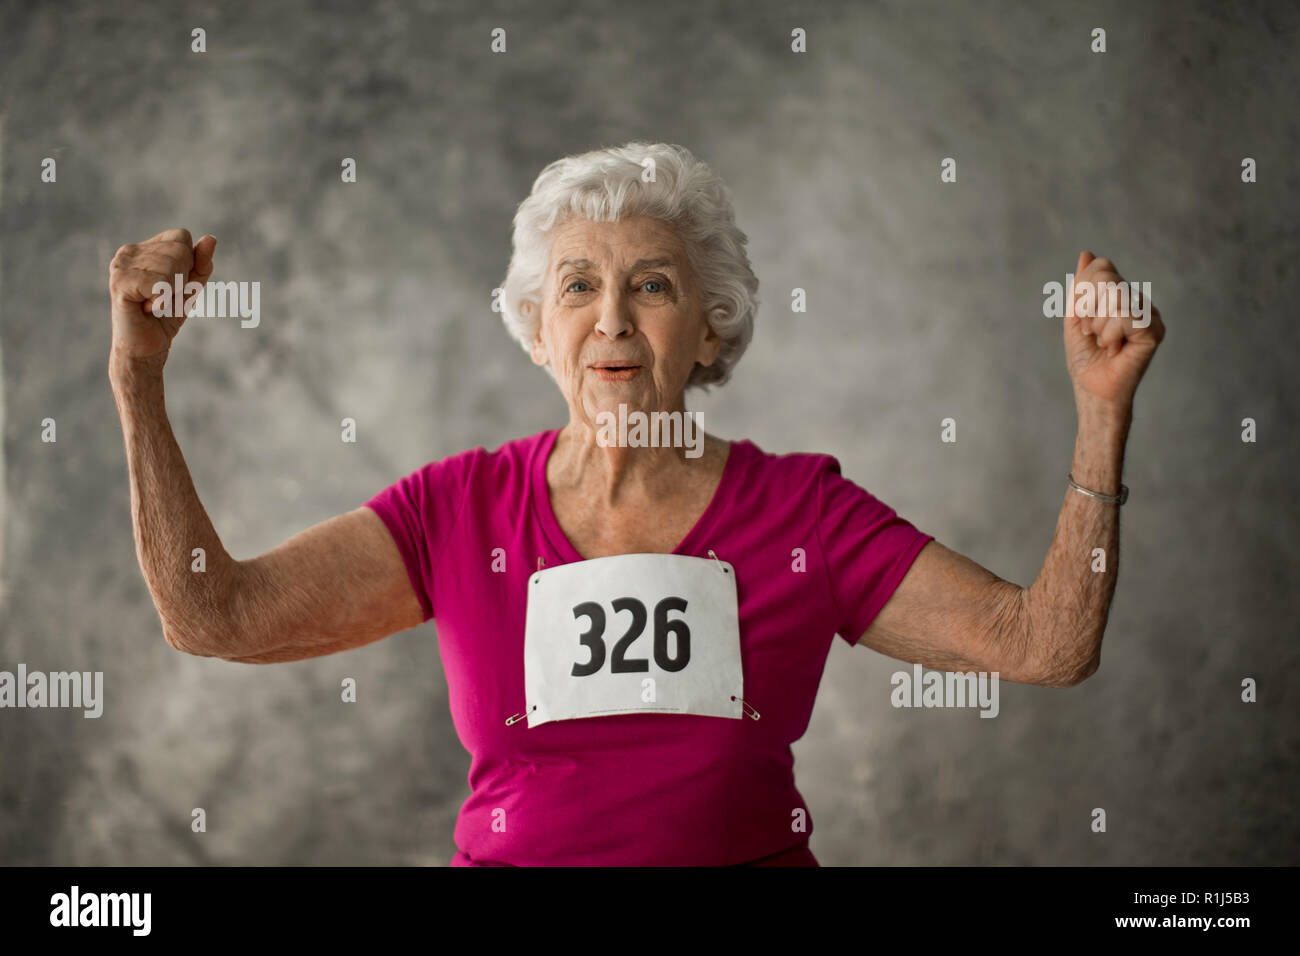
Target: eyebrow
<point>636,266</point>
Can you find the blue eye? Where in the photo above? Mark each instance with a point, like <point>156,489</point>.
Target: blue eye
<point>576,282</point>
<point>651,282</point>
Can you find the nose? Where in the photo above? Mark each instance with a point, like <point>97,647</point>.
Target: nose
<point>615,319</point>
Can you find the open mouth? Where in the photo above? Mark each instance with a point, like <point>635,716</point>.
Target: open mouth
<point>616,372</point>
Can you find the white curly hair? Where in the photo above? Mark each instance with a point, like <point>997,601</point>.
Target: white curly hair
<point>608,185</point>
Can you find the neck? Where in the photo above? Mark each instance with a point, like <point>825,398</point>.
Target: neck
<point>631,454</point>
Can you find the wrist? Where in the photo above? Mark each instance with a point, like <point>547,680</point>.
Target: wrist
<point>1096,413</point>
<point>1098,460</point>
<point>124,366</point>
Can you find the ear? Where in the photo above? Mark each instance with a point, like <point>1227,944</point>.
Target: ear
<point>538,350</point>
<point>710,345</point>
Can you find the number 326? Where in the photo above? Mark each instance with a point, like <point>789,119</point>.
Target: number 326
<point>620,663</point>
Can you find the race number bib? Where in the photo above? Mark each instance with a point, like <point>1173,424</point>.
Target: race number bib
<point>633,633</point>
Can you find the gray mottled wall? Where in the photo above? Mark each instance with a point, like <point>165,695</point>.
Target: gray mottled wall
<point>924,302</point>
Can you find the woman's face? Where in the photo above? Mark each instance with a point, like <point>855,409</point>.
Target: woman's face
<point>622,322</point>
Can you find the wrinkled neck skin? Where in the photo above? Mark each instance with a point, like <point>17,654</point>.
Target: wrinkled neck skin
<point>611,475</point>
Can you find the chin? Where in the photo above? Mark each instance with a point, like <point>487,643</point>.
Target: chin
<point>601,404</point>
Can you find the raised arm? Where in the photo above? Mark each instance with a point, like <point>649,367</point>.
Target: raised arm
<point>949,613</point>
<point>337,585</point>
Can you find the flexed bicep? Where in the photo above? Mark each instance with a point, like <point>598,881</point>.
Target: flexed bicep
<point>337,585</point>
<point>950,613</point>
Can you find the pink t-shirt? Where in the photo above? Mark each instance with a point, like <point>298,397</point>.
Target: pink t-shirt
<point>815,556</point>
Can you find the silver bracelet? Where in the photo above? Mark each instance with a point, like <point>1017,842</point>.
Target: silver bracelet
<point>1118,499</point>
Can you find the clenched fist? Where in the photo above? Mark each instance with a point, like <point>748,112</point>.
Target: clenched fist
<point>143,324</point>
<point>1107,351</point>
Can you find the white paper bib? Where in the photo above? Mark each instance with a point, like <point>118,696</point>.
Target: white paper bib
<point>633,633</point>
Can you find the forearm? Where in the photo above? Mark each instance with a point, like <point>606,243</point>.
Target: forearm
<point>168,519</point>
<point>1067,605</point>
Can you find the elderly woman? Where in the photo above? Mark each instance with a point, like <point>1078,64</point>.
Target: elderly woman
<point>633,621</point>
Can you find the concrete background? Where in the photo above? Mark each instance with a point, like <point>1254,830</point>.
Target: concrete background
<point>924,299</point>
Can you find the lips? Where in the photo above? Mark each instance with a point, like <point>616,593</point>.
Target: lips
<point>616,371</point>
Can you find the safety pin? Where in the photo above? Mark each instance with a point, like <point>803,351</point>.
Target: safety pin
<point>745,706</point>
<point>716,561</point>
<point>518,717</point>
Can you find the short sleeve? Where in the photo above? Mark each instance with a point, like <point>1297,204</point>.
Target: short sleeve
<point>867,548</point>
<point>420,512</point>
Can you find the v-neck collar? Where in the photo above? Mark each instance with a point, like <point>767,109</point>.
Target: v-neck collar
<point>695,539</point>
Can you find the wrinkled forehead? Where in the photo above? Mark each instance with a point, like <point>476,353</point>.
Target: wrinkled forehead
<point>629,244</point>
